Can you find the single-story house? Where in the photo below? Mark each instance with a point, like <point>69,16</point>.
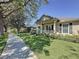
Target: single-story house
<point>48,24</point>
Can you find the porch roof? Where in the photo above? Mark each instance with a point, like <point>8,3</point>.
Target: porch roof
<point>63,20</point>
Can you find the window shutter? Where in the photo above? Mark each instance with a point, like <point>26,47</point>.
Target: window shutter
<point>70,23</point>
<point>70,28</point>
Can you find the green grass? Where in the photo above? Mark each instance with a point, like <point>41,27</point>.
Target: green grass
<point>53,49</point>
<point>3,39</point>
<point>60,49</point>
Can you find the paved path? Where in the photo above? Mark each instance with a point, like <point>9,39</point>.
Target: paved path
<point>16,49</point>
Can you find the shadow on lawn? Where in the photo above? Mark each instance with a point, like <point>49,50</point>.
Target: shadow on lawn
<point>73,52</point>
<point>38,43</point>
<point>63,57</point>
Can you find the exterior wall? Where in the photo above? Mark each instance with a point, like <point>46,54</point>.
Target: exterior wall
<point>61,31</point>
<point>75,27</point>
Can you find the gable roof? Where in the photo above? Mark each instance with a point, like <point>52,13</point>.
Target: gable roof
<point>46,16</point>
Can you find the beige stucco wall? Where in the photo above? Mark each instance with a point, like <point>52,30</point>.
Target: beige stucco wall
<point>75,27</point>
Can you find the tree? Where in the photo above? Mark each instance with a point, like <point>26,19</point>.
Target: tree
<point>14,5</point>
<point>17,20</point>
<point>30,7</point>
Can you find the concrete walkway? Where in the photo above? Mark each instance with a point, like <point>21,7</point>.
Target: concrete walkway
<point>16,49</point>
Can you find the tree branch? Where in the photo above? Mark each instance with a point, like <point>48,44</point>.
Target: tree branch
<point>5,16</point>
<point>26,2</point>
<point>5,2</point>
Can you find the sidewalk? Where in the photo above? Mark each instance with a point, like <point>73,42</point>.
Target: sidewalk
<point>16,49</point>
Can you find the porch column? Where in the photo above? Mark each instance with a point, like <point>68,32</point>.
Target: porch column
<point>54,26</point>
<point>41,29</point>
<point>37,30</point>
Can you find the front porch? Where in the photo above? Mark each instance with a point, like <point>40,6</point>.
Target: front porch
<point>47,27</point>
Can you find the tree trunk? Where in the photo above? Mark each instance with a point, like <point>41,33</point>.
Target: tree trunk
<point>5,28</point>
<point>18,30</point>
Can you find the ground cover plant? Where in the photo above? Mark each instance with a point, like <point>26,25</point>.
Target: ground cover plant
<point>3,40</point>
<point>36,42</point>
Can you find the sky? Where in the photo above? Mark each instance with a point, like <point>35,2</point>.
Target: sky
<point>60,8</point>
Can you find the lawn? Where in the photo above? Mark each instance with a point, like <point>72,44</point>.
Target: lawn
<point>3,40</point>
<point>52,49</point>
<point>60,49</point>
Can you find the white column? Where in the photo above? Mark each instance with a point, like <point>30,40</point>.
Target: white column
<point>68,28</point>
<point>41,29</point>
<point>45,29</point>
<point>62,28</point>
<point>54,26</point>
<point>37,30</point>
<point>48,29</point>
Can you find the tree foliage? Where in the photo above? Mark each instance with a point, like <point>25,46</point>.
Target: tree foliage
<point>17,20</point>
<point>28,7</point>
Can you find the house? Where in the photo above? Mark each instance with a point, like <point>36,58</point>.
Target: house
<point>48,24</point>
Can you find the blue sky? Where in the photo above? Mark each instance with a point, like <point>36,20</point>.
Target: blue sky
<point>60,8</point>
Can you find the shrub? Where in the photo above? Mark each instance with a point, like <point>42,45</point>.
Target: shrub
<point>71,38</point>
<point>36,42</point>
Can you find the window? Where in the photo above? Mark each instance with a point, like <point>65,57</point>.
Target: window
<point>47,27</point>
<point>39,27</point>
<point>65,28</point>
<point>42,27</point>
